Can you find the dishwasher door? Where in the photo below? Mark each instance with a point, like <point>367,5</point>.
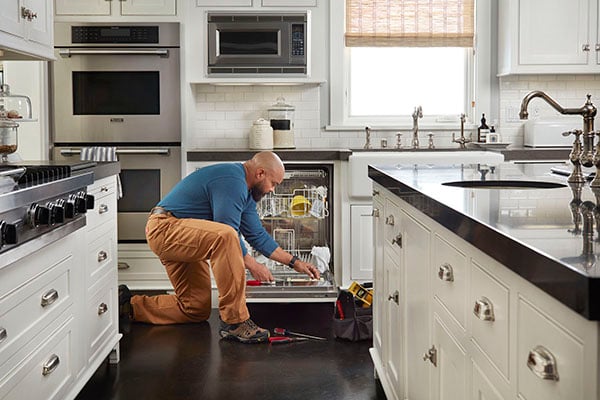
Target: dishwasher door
<point>299,216</point>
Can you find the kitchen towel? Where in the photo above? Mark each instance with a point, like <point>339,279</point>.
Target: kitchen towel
<point>104,154</point>
<point>321,257</point>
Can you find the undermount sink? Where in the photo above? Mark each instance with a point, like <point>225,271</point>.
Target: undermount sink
<point>505,184</point>
<point>360,184</point>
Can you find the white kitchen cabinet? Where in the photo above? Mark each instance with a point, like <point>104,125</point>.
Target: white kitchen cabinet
<point>262,3</point>
<point>116,8</point>
<point>361,233</point>
<point>548,36</point>
<point>26,29</point>
<point>224,3</point>
<point>442,320</point>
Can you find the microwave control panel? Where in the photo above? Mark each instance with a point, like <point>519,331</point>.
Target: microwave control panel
<point>298,40</point>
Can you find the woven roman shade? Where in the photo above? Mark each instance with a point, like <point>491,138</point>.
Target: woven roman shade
<point>409,23</point>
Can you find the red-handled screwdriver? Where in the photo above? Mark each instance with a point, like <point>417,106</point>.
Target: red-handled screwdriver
<point>281,331</point>
<point>284,339</point>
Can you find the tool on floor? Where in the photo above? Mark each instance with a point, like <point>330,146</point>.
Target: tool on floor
<point>363,294</point>
<point>282,331</point>
<point>340,310</point>
<point>285,339</point>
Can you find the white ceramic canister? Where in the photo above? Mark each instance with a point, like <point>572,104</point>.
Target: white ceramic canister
<point>261,135</point>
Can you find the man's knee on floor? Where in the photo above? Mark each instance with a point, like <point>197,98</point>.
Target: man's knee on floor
<point>196,310</point>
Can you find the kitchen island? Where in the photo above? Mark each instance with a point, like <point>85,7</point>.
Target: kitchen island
<point>485,292</point>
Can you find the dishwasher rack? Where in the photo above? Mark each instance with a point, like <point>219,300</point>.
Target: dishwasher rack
<point>300,203</point>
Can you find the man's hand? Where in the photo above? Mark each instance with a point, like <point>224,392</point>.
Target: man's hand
<point>307,268</point>
<point>259,271</point>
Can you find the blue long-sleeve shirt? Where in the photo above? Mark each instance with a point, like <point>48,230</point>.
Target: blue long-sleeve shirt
<point>219,193</point>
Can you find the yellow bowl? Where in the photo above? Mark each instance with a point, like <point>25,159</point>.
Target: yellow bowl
<point>300,206</point>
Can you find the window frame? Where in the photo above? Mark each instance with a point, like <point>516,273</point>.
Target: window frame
<point>480,84</point>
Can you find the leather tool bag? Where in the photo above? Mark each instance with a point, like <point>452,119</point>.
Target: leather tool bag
<point>351,321</point>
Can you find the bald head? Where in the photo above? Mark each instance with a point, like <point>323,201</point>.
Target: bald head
<point>264,172</point>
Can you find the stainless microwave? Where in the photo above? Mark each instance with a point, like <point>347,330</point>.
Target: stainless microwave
<point>258,43</point>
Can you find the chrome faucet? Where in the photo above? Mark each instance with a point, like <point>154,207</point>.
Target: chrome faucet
<point>586,156</point>
<point>418,113</point>
<point>368,138</point>
<point>462,140</point>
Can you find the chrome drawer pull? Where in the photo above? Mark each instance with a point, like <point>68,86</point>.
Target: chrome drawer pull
<point>375,213</point>
<point>446,273</point>
<point>123,265</point>
<point>50,365</point>
<point>49,297</point>
<point>397,240</point>
<point>3,335</point>
<point>102,308</point>
<point>102,255</point>
<point>484,309</point>
<point>395,297</point>
<point>103,208</point>
<point>542,363</point>
<point>389,220</point>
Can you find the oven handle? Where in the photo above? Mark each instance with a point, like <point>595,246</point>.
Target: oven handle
<point>160,152</point>
<point>150,52</point>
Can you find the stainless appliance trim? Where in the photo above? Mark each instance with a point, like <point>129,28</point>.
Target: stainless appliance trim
<point>145,151</point>
<point>71,52</point>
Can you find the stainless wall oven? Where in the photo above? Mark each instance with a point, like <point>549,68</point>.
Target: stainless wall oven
<point>116,83</point>
<point>257,43</point>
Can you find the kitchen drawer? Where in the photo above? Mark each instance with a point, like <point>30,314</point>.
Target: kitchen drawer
<point>101,317</point>
<point>490,336</point>
<point>101,257</point>
<point>139,268</point>
<point>105,210</point>
<point>22,314</point>
<point>392,230</point>
<point>103,187</point>
<point>535,328</point>
<point>46,372</point>
<point>449,274</point>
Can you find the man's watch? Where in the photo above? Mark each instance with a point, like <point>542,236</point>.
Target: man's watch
<point>293,261</point>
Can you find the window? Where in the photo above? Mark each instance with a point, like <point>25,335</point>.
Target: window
<point>378,80</point>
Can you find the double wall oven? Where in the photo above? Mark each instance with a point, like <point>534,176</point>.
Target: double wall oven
<point>118,86</point>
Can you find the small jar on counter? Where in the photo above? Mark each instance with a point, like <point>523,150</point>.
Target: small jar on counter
<point>261,135</point>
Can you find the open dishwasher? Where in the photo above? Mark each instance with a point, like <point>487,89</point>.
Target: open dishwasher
<point>299,216</point>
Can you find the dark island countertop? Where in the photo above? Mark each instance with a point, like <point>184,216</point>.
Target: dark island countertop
<point>533,232</point>
<point>285,154</point>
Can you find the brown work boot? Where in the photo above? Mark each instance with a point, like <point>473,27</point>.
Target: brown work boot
<point>245,332</point>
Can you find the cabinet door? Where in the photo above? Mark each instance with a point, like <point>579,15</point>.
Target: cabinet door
<point>361,237</point>
<point>540,40</point>
<point>416,249</point>
<point>82,7</point>
<point>378,275</point>
<point>10,20</point>
<point>149,7</point>
<point>393,325</point>
<point>482,388</point>
<point>40,28</point>
<point>449,378</point>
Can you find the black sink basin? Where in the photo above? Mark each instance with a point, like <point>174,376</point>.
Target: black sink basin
<point>505,184</point>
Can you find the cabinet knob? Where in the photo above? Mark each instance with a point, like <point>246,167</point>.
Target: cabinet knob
<point>102,255</point>
<point>50,365</point>
<point>375,192</point>
<point>585,47</point>
<point>389,220</point>
<point>104,189</point>
<point>395,297</point>
<point>398,240</point>
<point>27,14</point>
<point>103,208</point>
<point>431,356</point>
<point>49,297</point>
<point>542,363</point>
<point>446,273</point>
<point>484,309</point>
<point>102,308</point>
<point>3,335</point>
<point>597,46</point>
<point>375,213</point>
<point>123,265</point>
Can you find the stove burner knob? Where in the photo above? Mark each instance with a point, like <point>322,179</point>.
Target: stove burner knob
<point>86,201</point>
<point>89,201</point>
<point>69,206</point>
<point>38,215</point>
<point>57,212</point>
<point>8,233</point>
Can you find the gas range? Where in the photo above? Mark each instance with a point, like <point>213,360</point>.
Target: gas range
<point>39,202</point>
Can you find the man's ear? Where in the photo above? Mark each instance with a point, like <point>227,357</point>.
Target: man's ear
<point>260,173</point>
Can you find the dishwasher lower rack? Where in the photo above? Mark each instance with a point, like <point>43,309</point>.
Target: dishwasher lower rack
<point>290,285</point>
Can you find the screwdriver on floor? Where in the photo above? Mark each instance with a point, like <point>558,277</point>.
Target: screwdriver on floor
<point>285,339</point>
<point>285,332</point>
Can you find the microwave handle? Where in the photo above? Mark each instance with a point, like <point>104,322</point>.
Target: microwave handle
<point>125,52</point>
<point>159,151</point>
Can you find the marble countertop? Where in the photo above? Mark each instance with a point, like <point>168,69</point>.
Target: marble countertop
<point>533,232</point>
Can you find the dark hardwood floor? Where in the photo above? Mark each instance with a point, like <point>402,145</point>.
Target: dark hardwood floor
<point>191,362</point>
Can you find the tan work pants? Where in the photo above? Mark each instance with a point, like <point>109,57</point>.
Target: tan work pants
<point>184,246</point>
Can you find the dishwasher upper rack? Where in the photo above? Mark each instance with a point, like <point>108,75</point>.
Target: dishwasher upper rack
<point>275,205</point>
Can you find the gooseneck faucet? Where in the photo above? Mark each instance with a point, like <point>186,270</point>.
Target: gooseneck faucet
<point>588,111</point>
<point>367,138</point>
<point>418,113</point>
